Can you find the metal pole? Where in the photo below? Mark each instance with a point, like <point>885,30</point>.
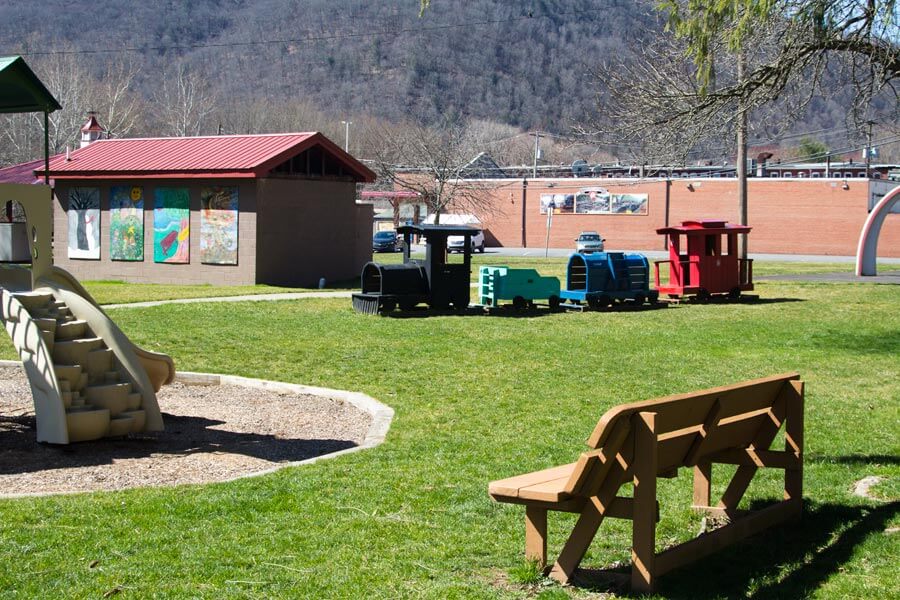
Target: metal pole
<point>46,147</point>
<point>346,135</point>
<point>869,149</point>
<point>550,208</point>
<point>537,138</point>
<point>742,157</point>
<point>524,205</point>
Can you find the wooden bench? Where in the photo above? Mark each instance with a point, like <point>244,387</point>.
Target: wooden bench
<point>638,442</point>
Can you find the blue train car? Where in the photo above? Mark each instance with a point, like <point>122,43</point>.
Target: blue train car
<point>601,278</point>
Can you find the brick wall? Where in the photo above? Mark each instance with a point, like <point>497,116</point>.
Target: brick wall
<point>815,216</point>
<point>309,230</point>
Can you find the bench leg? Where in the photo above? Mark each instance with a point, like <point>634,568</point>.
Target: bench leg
<point>793,429</point>
<point>702,484</point>
<point>536,534</point>
<point>643,524</point>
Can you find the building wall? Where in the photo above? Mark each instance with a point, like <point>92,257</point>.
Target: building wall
<point>309,230</point>
<point>788,216</point>
<point>148,271</point>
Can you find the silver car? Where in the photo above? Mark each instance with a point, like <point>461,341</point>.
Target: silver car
<point>589,241</point>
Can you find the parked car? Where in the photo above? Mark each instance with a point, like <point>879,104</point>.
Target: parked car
<point>386,241</point>
<point>589,241</point>
<point>455,242</point>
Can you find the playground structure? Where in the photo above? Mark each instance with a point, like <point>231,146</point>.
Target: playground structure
<point>703,260</point>
<point>866,252</point>
<point>521,286</point>
<point>434,281</point>
<point>87,379</point>
<point>601,278</point>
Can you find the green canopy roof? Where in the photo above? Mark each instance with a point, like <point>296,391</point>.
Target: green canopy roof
<point>20,89</point>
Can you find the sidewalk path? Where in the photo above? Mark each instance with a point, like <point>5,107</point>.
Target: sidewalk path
<point>246,298</point>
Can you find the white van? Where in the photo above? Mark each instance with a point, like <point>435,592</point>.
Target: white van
<point>455,242</point>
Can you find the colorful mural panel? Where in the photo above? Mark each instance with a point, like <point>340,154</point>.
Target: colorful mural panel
<point>219,225</point>
<point>171,225</point>
<point>126,223</point>
<point>84,223</point>
<point>595,201</point>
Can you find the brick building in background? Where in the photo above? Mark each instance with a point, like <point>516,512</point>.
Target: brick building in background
<point>788,215</point>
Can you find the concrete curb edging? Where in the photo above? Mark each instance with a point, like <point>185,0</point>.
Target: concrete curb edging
<point>382,415</point>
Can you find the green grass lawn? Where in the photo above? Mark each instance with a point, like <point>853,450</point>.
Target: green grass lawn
<point>477,399</point>
<point>117,292</point>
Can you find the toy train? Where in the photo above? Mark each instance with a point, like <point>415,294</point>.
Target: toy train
<point>703,262</point>
<point>434,281</point>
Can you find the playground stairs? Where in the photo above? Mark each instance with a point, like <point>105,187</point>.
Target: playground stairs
<point>97,395</point>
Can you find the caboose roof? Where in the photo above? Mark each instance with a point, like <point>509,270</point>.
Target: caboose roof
<point>704,227</point>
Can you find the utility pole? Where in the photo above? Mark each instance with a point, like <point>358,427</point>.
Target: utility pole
<point>537,149</point>
<point>347,135</point>
<point>869,148</point>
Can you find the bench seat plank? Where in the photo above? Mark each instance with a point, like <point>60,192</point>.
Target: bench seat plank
<point>547,485</point>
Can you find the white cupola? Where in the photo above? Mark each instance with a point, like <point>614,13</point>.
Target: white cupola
<point>91,131</point>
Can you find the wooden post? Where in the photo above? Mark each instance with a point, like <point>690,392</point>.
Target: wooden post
<point>536,534</point>
<point>643,525</point>
<point>702,484</point>
<point>793,441</point>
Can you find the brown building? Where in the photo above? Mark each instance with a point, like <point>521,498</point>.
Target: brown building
<point>226,210</point>
<point>788,216</point>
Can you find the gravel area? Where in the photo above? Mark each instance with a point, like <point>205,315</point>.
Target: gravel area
<point>213,433</point>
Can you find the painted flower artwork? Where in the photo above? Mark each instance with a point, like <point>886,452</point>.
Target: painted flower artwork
<point>126,223</point>
<point>219,225</point>
<point>171,225</point>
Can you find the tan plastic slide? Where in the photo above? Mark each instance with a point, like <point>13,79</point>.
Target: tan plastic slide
<point>88,380</point>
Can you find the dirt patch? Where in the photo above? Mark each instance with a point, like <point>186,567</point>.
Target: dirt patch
<point>213,433</point>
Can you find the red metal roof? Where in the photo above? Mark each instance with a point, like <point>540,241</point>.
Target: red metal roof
<point>229,156</point>
<point>22,173</point>
<point>92,125</point>
<point>707,226</point>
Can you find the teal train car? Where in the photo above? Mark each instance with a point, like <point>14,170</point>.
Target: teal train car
<point>601,278</point>
<point>521,286</point>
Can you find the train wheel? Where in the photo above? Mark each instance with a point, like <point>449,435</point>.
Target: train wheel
<point>388,305</point>
<point>604,301</point>
<point>519,303</point>
<point>735,293</point>
<point>407,305</point>
<point>703,295</point>
<point>639,299</point>
<point>553,301</point>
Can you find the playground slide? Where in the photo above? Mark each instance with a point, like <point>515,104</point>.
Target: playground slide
<point>87,378</point>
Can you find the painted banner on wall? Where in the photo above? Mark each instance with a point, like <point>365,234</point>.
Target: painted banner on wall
<point>171,225</point>
<point>219,225</point>
<point>84,222</point>
<point>596,201</point>
<point>126,223</point>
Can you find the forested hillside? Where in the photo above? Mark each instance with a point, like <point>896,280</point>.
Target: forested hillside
<point>254,66</point>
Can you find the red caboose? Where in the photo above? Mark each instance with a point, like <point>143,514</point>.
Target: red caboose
<point>703,260</point>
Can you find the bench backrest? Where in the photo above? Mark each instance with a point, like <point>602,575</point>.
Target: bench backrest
<point>688,426</point>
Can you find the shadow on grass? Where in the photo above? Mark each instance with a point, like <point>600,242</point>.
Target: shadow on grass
<point>184,435</point>
<point>788,561</point>
<point>854,459</point>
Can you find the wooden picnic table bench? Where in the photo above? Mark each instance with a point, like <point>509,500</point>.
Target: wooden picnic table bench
<point>639,442</point>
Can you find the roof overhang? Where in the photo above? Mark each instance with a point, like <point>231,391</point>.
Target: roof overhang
<point>20,89</point>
